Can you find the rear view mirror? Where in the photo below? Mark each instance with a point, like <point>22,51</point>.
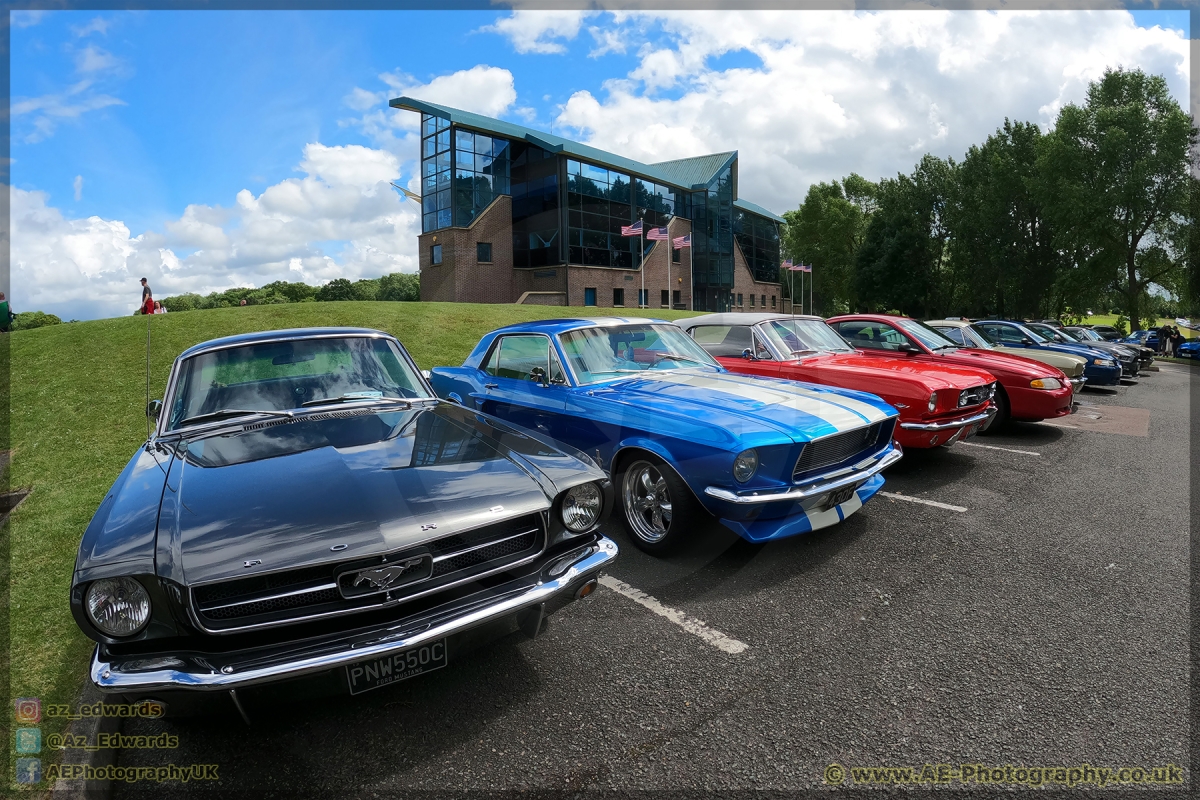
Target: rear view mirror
<point>748,354</point>
<point>153,409</point>
<point>538,375</point>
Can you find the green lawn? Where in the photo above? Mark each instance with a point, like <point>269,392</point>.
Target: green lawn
<point>1111,319</point>
<point>78,399</point>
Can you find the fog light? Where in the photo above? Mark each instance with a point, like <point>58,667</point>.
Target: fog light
<point>586,589</point>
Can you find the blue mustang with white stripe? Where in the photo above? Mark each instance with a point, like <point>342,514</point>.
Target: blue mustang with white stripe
<point>682,437</point>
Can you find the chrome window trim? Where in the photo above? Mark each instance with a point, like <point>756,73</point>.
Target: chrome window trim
<point>551,348</point>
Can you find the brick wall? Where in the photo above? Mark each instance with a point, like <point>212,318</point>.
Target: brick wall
<point>745,285</point>
<point>605,279</point>
<point>461,277</point>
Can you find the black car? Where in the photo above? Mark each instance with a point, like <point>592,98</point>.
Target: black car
<point>307,507</point>
<point>1126,356</point>
<point>1145,355</point>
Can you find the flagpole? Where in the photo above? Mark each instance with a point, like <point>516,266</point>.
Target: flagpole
<point>642,252</point>
<point>810,289</point>
<point>670,255</point>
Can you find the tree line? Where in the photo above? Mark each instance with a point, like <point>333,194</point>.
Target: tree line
<point>397,286</point>
<point>1096,214</point>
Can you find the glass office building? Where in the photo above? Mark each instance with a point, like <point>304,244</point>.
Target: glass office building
<point>569,201</point>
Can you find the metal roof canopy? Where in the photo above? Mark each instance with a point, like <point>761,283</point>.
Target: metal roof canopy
<point>693,174</point>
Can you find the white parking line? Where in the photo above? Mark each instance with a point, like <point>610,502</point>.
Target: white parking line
<point>689,624</point>
<point>1005,449</point>
<point>923,501</point>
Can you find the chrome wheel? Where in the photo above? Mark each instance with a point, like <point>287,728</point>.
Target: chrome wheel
<point>647,501</point>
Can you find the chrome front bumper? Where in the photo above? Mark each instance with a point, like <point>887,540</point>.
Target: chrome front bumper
<point>208,673</point>
<point>982,416</point>
<point>889,457</point>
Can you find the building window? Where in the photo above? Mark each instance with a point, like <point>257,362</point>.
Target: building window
<point>536,227</point>
<point>619,297</point>
<point>643,298</point>
<point>752,301</point>
<point>772,301</point>
<point>483,252</point>
<point>764,301</point>
<point>678,297</point>
<point>675,254</point>
<point>481,170</point>
<point>758,238</point>
<point>598,205</point>
<point>435,254</point>
<point>666,298</point>
<point>589,297</point>
<point>740,301</point>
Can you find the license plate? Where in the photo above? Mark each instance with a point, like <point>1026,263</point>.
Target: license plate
<point>395,667</point>
<point>839,497</point>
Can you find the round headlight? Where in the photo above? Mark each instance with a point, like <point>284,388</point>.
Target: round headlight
<point>581,507</point>
<point>1045,383</point>
<point>933,401</point>
<point>118,606</point>
<point>744,466</point>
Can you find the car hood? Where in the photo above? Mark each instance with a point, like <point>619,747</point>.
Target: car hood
<point>936,377</point>
<point>746,405</point>
<point>1071,363</point>
<point>1000,364</point>
<point>284,495</point>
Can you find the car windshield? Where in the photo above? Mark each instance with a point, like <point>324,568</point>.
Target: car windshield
<point>926,335</point>
<point>803,337</point>
<point>602,353</point>
<point>1084,333</point>
<point>274,377</point>
<point>1037,338</point>
<point>1052,335</point>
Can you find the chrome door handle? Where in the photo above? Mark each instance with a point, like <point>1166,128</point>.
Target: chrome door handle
<point>491,386</point>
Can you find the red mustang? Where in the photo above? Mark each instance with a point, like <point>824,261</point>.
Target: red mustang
<point>1029,390</point>
<point>939,405</point>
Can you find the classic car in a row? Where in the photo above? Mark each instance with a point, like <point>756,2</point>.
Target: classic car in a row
<point>1028,391</point>
<point>939,404</point>
<point>307,507</point>
<point>1101,369</point>
<point>965,334</point>
<point>682,438</point>
<point>1124,355</point>
<point>1145,355</point>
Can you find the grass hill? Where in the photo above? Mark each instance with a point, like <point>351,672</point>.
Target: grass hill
<point>78,394</point>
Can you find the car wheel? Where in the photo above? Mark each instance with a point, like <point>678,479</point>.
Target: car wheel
<point>1003,411</point>
<point>658,506</point>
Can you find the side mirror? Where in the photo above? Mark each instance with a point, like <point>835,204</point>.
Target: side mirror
<point>538,375</point>
<point>748,354</point>
<point>1026,340</point>
<point>910,349</point>
<point>153,409</point>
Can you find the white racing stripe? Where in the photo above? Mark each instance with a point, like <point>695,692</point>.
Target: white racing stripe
<point>924,502</point>
<point>1003,449</point>
<point>689,624</point>
<point>834,410</point>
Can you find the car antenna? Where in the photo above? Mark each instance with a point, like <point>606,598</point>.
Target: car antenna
<point>148,429</point>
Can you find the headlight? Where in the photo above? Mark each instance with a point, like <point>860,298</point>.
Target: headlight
<point>1105,362</point>
<point>118,606</point>
<point>1045,383</point>
<point>933,401</point>
<point>581,507</point>
<point>744,466</point>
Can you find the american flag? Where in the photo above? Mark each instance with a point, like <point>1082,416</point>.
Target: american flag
<point>805,267</point>
<point>657,235</point>
<point>632,230</point>
<point>681,242</point>
<point>787,265</point>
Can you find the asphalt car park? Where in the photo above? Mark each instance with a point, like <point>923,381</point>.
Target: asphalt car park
<point>1021,598</point>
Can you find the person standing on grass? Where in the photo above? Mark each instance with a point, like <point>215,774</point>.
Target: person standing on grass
<point>147,298</point>
<point>1164,339</point>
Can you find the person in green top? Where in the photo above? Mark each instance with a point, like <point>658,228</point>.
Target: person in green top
<point>6,315</point>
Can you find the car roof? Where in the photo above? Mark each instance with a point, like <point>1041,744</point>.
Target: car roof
<point>554,326</point>
<point>952,323</point>
<point>286,333</point>
<point>739,318</point>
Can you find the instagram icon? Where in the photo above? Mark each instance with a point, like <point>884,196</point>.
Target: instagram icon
<point>29,710</point>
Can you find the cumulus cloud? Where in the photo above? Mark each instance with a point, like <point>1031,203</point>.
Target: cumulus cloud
<point>834,92</point>
<point>539,31</point>
<point>94,59</point>
<point>87,268</point>
<point>95,25</point>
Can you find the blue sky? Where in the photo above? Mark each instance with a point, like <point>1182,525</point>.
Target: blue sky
<point>122,121</point>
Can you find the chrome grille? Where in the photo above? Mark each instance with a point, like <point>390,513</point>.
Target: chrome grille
<point>296,595</point>
<point>838,448</point>
<point>975,395</point>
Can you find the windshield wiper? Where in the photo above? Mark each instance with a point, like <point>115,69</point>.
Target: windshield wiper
<point>234,412</point>
<point>345,398</point>
<point>673,357</point>
<point>804,350</point>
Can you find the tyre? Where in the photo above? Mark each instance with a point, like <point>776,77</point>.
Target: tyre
<point>658,507</point>
<point>1003,411</point>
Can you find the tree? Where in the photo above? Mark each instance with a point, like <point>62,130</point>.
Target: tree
<point>826,231</point>
<point>27,320</point>
<point>336,289</point>
<point>400,286</point>
<point>1115,184</point>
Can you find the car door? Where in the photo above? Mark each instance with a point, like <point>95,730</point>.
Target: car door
<point>873,338</point>
<point>1004,335</point>
<point>523,383</point>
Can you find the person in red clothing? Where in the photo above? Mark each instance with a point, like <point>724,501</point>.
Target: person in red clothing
<point>147,298</point>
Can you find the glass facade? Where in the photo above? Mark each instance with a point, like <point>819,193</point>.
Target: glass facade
<point>435,174</point>
<point>712,244</point>
<point>758,237</point>
<point>461,173</point>
<point>598,204</point>
<point>535,217</point>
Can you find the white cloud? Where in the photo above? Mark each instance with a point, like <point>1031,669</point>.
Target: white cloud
<point>538,31</point>
<point>834,92</point>
<point>50,109</point>
<point>94,59</point>
<point>26,19</point>
<point>77,185</point>
<point>95,25</point>
<point>89,267</point>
